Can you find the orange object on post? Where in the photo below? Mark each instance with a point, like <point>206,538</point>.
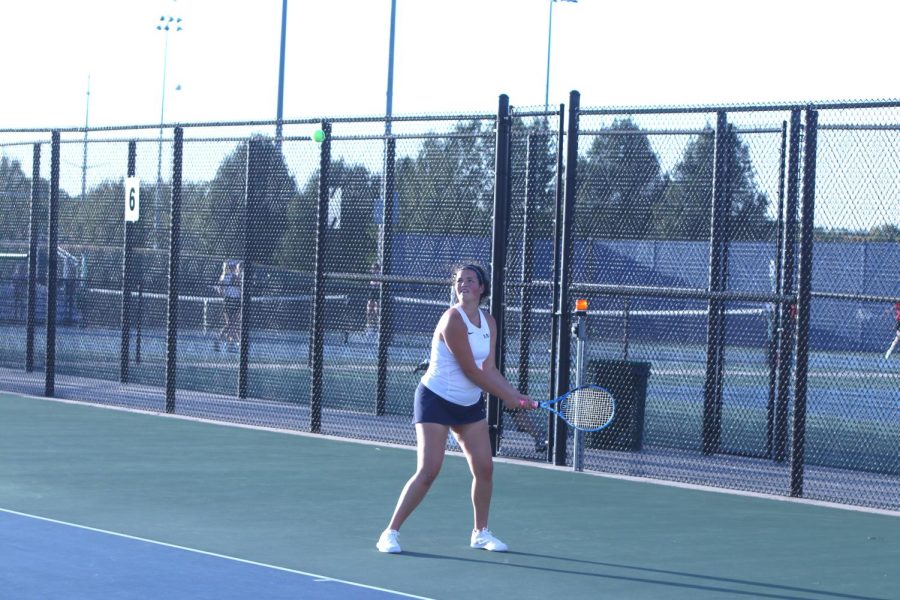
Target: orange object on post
<point>581,305</point>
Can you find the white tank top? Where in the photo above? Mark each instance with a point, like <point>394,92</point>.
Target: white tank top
<point>445,377</point>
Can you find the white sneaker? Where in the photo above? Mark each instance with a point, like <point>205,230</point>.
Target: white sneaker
<point>485,539</point>
<point>388,541</point>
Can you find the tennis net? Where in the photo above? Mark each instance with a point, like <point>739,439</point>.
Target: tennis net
<point>205,313</point>
<point>751,325</point>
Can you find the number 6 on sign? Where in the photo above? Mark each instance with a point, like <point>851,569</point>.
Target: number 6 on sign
<point>132,199</point>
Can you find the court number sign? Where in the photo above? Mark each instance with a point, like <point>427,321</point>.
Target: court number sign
<point>132,199</point>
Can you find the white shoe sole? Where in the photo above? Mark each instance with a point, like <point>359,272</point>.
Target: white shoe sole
<point>485,547</point>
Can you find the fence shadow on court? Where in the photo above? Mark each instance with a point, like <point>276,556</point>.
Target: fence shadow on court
<point>666,578</point>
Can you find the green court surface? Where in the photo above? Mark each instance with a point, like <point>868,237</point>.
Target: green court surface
<point>317,505</point>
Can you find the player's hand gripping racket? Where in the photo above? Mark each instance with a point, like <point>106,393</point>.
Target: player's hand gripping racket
<point>586,408</point>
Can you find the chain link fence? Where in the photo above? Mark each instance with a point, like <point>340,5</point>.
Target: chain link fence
<point>740,262</point>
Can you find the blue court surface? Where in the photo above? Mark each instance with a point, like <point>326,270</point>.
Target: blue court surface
<point>43,558</point>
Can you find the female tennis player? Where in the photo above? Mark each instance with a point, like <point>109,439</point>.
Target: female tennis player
<point>449,398</point>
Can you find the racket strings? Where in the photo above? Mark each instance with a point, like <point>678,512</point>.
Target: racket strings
<point>588,408</point>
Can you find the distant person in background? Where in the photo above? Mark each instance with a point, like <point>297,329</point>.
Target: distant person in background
<point>372,302</point>
<point>893,345</point>
<point>230,289</point>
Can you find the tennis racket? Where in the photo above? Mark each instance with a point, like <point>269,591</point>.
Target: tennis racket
<point>586,408</point>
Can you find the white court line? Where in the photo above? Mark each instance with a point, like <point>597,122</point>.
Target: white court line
<point>212,554</point>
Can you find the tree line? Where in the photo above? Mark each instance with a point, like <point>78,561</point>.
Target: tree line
<point>446,187</point>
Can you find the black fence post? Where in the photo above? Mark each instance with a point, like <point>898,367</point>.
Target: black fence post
<point>254,186</point>
<point>32,256</point>
<point>52,245</point>
<point>775,273</point>
<point>785,316</point>
<point>499,236</point>
<point>127,275</point>
<point>533,190</point>
<point>317,339</point>
<point>555,278</point>
<point>712,405</point>
<point>385,305</point>
<point>174,255</point>
<point>804,293</point>
<point>564,333</point>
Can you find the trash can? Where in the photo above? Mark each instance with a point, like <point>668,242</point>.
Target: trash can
<point>627,382</point>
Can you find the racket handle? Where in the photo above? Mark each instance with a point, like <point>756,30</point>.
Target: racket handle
<point>525,404</point>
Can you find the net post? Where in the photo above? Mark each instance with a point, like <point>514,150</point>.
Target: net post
<point>804,291</point>
<point>52,244</point>
<point>253,187</point>
<point>174,254</point>
<point>127,276</point>
<point>579,328</point>
<point>32,256</point>
<point>317,341</point>
<point>499,234</point>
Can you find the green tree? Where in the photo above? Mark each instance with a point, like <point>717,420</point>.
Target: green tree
<point>543,203</point>
<point>351,246</point>
<point>15,201</point>
<point>216,224</point>
<point>618,182</point>
<point>885,233</point>
<point>297,246</point>
<point>684,208</point>
<point>350,242</point>
<point>452,177</point>
<point>95,220</point>
<point>880,233</point>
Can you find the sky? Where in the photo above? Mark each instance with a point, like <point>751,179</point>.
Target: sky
<point>450,57</point>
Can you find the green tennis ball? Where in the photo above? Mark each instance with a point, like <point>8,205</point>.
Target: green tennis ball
<point>318,136</point>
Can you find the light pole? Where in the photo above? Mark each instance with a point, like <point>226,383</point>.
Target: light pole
<point>87,111</point>
<point>390,77</point>
<point>166,24</point>
<point>549,38</point>
<point>279,113</point>
<point>388,114</point>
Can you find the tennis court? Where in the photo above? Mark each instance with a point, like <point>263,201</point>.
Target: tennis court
<point>113,503</point>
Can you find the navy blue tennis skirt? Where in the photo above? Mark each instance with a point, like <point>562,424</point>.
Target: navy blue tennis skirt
<point>431,408</point>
